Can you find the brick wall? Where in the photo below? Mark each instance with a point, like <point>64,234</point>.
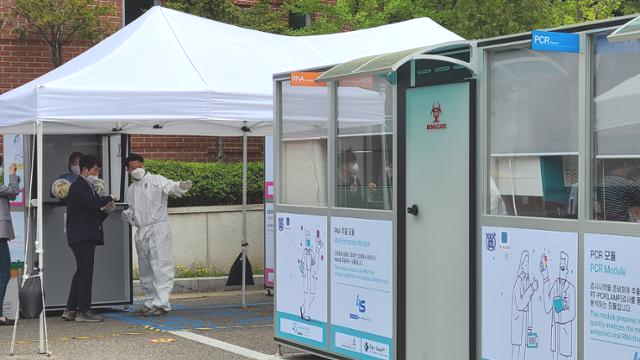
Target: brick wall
<point>197,148</point>
<point>22,60</point>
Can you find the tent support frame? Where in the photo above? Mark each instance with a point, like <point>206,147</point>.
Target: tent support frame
<point>245,132</point>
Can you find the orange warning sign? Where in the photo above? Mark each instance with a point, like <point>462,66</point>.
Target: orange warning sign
<point>300,78</point>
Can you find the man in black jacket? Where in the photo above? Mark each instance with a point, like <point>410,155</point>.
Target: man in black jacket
<point>85,214</point>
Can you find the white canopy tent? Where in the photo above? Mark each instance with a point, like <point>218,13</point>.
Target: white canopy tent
<point>189,75</point>
<point>176,74</point>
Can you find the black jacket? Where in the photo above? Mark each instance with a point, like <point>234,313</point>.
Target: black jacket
<point>84,218</point>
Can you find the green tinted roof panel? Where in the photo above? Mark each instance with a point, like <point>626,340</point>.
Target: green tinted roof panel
<point>628,31</point>
<point>369,64</point>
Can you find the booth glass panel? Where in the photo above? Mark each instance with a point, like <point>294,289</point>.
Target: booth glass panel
<point>616,127</point>
<point>533,139</point>
<point>364,148</point>
<point>305,111</point>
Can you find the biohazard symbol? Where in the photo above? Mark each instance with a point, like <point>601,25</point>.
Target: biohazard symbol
<point>436,112</point>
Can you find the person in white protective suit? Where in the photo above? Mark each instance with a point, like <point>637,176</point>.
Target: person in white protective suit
<point>147,197</point>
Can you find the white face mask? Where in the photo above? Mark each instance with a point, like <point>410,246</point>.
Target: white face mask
<point>354,169</point>
<point>92,179</point>
<point>138,173</point>
<point>75,169</point>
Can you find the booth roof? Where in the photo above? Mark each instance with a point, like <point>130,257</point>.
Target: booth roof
<point>173,73</point>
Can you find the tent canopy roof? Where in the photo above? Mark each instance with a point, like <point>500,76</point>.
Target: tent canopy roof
<point>173,73</point>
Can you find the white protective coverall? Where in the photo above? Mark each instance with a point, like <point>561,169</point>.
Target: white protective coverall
<point>147,199</point>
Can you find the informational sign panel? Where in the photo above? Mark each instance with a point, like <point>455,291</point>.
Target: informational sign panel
<point>14,154</point>
<point>362,288</point>
<point>269,221</point>
<point>269,237</point>
<point>529,294</point>
<point>301,250</point>
<point>611,297</point>
<point>268,168</point>
<point>555,41</point>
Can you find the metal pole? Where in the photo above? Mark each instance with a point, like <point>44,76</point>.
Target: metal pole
<point>245,132</point>
<point>39,218</point>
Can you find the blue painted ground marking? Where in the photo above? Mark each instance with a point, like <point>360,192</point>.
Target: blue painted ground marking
<point>167,323</point>
<point>260,320</point>
<point>241,316</point>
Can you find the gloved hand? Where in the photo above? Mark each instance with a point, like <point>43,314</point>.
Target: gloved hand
<point>185,185</point>
<point>108,209</point>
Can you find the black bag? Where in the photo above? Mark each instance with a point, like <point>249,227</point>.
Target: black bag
<point>235,274</point>
<point>30,296</point>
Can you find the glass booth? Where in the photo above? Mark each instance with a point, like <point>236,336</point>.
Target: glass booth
<point>469,200</point>
<point>112,277</point>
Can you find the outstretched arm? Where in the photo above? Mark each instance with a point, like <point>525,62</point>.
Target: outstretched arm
<point>170,187</point>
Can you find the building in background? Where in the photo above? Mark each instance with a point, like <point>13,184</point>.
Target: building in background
<point>22,60</point>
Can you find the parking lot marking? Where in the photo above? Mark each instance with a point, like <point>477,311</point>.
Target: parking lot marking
<point>238,350</point>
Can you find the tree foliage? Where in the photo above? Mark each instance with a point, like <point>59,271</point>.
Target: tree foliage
<point>219,10</point>
<point>471,19</point>
<point>59,22</point>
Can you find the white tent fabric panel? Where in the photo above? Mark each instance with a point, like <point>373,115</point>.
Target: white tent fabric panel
<point>534,102</point>
<point>617,120</point>
<point>188,75</point>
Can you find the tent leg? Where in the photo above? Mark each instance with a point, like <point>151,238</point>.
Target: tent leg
<point>245,132</point>
<point>43,346</point>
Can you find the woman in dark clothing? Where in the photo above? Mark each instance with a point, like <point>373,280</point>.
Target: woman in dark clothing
<point>7,192</point>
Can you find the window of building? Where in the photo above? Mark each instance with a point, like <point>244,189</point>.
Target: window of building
<point>616,126</point>
<point>299,21</point>
<point>533,140</point>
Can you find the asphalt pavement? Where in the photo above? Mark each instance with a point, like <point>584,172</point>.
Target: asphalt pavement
<point>200,326</point>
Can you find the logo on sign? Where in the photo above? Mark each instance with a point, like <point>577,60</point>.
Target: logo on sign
<point>361,308</point>
<point>504,241</point>
<point>436,114</point>
<point>360,304</point>
<point>490,239</point>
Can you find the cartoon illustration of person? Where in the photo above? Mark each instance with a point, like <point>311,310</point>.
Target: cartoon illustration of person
<point>309,265</point>
<point>521,314</point>
<point>315,265</point>
<point>559,300</point>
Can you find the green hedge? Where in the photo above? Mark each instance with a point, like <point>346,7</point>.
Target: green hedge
<point>213,183</point>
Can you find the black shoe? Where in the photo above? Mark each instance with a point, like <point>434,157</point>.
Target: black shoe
<point>69,315</point>
<point>156,311</point>
<point>141,311</point>
<point>89,317</point>
<point>6,321</point>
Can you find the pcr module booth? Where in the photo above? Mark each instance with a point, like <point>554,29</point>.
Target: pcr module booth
<point>462,201</point>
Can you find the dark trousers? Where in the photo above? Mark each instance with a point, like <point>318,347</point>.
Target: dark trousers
<point>5,269</point>
<point>80,293</point>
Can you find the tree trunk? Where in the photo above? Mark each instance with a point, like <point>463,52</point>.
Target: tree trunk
<point>56,55</point>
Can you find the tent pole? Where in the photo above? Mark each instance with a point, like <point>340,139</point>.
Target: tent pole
<point>39,219</point>
<point>245,132</point>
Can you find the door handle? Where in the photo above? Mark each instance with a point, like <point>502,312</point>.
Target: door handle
<point>413,210</point>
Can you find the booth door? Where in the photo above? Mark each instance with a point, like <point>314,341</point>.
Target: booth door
<point>438,222</point>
